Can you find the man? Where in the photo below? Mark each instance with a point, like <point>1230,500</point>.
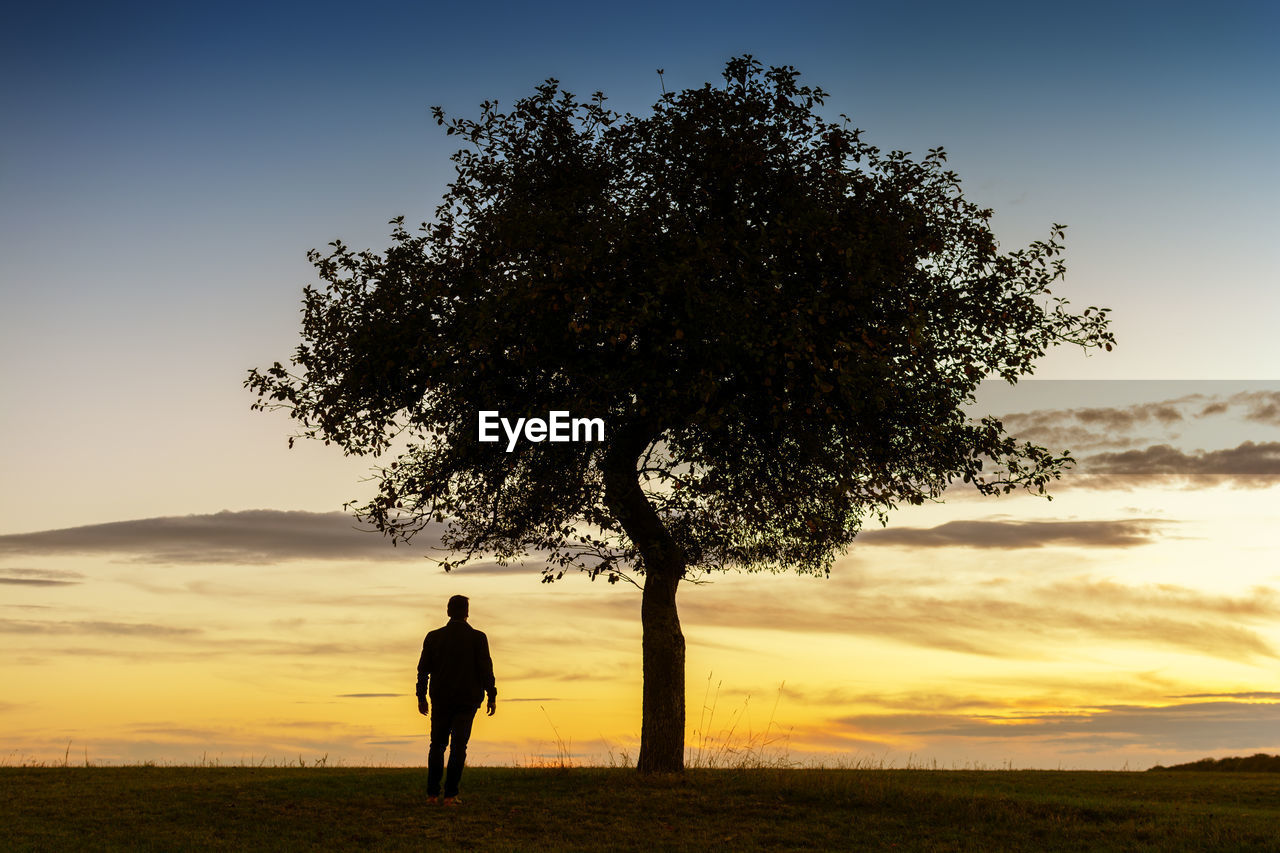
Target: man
<point>456,669</point>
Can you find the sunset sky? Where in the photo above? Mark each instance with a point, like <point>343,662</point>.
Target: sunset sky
<point>176,585</point>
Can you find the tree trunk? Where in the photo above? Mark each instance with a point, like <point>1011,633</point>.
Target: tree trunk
<point>662,712</point>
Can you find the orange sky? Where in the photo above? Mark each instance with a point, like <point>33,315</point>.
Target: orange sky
<point>1132,620</point>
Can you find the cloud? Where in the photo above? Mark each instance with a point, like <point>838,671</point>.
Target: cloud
<point>917,701</point>
<point>1261,406</point>
<point>1192,726</point>
<point>1034,622</point>
<point>1250,694</point>
<point>370,656</point>
<point>1250,464</point>
<point>276,741</point>
<point>39,577</point>
<point>565,674</point>
<point>1261,603</point>
<point>371,695</point>
<point>1124,533</point>
<point>249,537</point>
<point>992,694</point>
<point>1095,426</point>
<point>136,629</point>
<point>1107,730</point>
<point>1128,426</point>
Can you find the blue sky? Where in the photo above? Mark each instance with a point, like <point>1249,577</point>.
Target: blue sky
<point>163,161</point>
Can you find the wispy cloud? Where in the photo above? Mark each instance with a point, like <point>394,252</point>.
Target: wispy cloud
<point>910,701</point>
<point>1248,694</point>
<point>1101,730</point>
<point>274,742</point>
<point>134,629</point>
<point>1197,726</point>
<point>179,644</point>
<point>1017,694</point>
<point>39,577</point>
<point>248,537</point>
<point>1124,533</point>
<point>568,674</point>
<point>1260,603</point>
<point>1042,618</point>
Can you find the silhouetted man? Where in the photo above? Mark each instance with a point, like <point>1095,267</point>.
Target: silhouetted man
<point>455,668</point>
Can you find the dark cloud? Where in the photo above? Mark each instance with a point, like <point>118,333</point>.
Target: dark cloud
<point>248,537</point>
<point>1124,533</point>
<point>39,577</point>
<point>1261,406</point>
<point>1251,464</point>
<point>1088,428</point>
<point>1217,408</point>
<point>1091,427</point>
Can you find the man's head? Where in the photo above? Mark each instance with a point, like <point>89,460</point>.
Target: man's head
<point>458,607</point>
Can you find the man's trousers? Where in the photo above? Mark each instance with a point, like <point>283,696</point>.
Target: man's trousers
<point>450,726</point>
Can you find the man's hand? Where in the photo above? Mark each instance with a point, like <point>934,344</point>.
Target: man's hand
<point>422,706</point>
<point>492,706</point>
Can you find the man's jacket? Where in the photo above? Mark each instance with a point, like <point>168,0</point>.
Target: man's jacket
<point>455,665</point>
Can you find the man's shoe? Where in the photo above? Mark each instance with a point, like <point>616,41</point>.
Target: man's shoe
<point>452,801</point>
<point>433,800</point>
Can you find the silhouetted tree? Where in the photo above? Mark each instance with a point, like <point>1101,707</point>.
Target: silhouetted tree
<point>778,323</point>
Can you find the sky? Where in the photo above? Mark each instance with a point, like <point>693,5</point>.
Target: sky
<point>176,585</point>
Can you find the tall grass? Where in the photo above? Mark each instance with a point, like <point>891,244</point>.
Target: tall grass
<point>737,744</point>
<point>563,759</point>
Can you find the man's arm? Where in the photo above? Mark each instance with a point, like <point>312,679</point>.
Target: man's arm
<point>485,665</point>
<point>424,673</point>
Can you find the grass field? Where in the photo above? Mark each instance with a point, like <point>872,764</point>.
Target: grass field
<point>281,808</point>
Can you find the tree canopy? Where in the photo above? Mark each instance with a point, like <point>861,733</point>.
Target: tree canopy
<point>779,324</point>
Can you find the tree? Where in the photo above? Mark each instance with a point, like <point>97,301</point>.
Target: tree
<point>778,324</point>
